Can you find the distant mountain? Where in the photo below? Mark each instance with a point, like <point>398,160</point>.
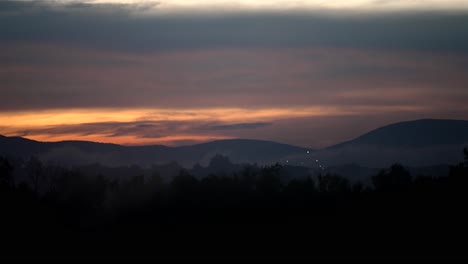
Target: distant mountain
<point>417,143</point>
<point>241,150</point>
<point>83,152</point>
<point>419,133</point>
<point>424,142</point>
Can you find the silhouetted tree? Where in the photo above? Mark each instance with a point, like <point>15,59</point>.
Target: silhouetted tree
<point>299,192</point>
<point>100,191</point>
<point>35,169</point>
<point>465,152</point>
<point>247,178</point>
<point>300,188</point>
<point>358,187</point>
<point>220,162</point>
<point>6,170</point>
<point>155,182</point>
<point>184,187</point>
<point>458,175</point>
<point>396,178</point>
<point>220,165</point>
<point>197,170</point>
<point>269,181</point>
<point>331,183</point>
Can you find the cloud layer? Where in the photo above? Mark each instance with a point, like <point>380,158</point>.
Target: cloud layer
<point>121,72</point>
<point>226,6</point>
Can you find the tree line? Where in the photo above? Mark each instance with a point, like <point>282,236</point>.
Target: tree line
<point>52,200</point>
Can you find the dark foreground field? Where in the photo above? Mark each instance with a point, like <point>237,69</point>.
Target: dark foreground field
<point>245,217</point>
<point>246,235</point>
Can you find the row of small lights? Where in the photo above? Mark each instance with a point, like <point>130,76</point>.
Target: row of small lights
<point>316,161</point>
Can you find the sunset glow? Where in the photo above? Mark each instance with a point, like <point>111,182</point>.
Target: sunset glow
<point>39,125</point>
<point>311,73</point>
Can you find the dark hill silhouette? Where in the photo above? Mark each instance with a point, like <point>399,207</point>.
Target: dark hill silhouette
<point>418,133</point>
<point>425,142</point>
<point>241,150</point>
<point>83,152</point>
<point>18,146</point>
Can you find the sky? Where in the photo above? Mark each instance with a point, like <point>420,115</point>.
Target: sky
<point>309,73</point>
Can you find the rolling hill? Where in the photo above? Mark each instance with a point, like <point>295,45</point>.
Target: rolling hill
<point>418,133</point>
<point>425,142</point>
<point>83,152</point>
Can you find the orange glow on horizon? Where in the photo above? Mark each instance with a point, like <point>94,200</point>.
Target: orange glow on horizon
<point>36,125</point>
<point>81,116</point>
<point>130,140</point>
<point>48,125</point>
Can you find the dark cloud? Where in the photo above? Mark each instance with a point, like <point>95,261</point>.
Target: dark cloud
<point>347,70</point>
<point>87,55</point>
<point>138,129</point>
<point>58,76</point>
<point>116,27</point>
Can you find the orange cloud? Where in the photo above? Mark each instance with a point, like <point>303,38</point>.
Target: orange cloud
<point>157,126</point>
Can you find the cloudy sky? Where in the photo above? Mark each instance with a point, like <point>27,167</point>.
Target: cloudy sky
<point>310,73</point>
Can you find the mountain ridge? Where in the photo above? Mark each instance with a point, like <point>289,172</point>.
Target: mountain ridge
<point>257,150</point>
<point>365,135</point>
<point>420,124</point>
<point>418,142</point>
